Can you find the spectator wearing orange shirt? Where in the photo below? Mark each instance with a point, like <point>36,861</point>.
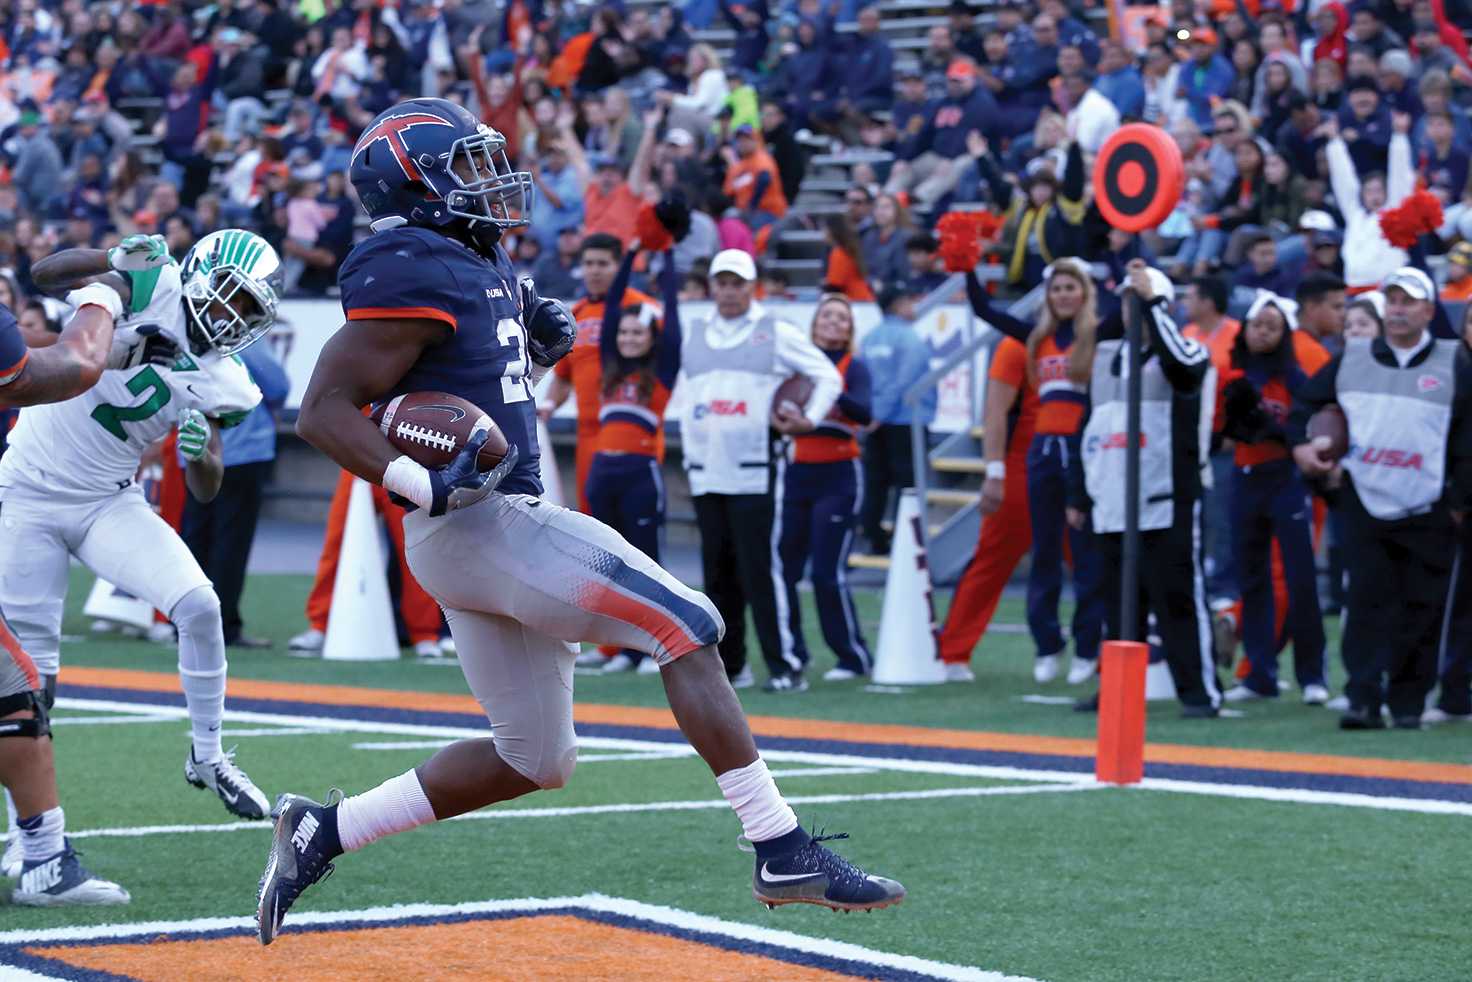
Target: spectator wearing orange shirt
<point>1458,285</point>
<point>752,179</point>
<point>846,273</point>
<point>610,204</point>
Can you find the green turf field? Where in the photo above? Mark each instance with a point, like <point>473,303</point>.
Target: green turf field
<point>1048,879</point>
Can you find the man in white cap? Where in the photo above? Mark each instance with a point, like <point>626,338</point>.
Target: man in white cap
<point>1173,370</point>
<point>1407,484</point>
<point>733,362</point>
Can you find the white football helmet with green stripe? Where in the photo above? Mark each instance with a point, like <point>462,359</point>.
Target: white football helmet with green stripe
<point>232,281</point>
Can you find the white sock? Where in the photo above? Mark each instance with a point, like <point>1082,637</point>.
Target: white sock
<point>202,667</point>
<point>204,694</point>
<point>41,836</point>
<point>396,805</point>
<point>757,802</point>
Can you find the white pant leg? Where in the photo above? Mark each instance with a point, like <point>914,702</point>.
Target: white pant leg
<point>129,545</point>
<point>559,572</point>
<point>523,681</point>
<point>34,553</point>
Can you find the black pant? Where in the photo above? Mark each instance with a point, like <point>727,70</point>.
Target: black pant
<point>889,463</point>
<point>220,533</point>
<point>738,560</point>
<point>1173,588</point>
<point>1399,573</point>
<point>1456,650</point>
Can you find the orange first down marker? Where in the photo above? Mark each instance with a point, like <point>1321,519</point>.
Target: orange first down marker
<point>1120,758</point>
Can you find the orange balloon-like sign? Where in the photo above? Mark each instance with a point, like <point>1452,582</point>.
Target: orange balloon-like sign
<point>1138,177</point>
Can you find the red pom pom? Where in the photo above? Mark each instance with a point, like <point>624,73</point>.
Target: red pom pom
<point>961,234</point>
<point>652,235</point>
<point>1418,215</point>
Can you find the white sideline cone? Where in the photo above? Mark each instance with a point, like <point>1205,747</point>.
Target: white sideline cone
<point>907,651</point>
<point>1159,686</point>
<point>360,624</point>
<point>109,603</point>
<point>551,478</point>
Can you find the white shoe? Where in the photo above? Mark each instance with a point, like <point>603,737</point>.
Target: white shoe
<point>743,679</point>
<point>62,881</point>
<point>1241,693</point>
<point>309,640</point>
<point>1080,670</point>
<point>647,666</point>
<point>447,647</point>
<point>592,658</point>
<point>959,671</point>
<point>427,649</point>
<point>162,633</point>
<point>1045,669</point>
<point>1315,695</point>
<point>1338,704</point>
<point>15,856</point>
<point>618,663</point>
<point>840,675</point>
<point>1434,716</point>
<point>99,627</point>
<point>236,791</point>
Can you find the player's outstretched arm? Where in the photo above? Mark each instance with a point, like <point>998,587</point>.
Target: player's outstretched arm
<point>72,268</point>
<point>72,365</point>
<point>359,364</point>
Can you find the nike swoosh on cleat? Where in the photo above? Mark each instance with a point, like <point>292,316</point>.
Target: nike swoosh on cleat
<point>231,796</point>
<point>767,876</point>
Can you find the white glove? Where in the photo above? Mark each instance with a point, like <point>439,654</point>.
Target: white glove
<point>194,434</point>
<point>97,295</point>
<point>139,252</point>
<point>148,345</point>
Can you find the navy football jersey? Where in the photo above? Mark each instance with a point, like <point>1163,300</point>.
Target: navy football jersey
<point>411,272</point>
<point>13,354</point>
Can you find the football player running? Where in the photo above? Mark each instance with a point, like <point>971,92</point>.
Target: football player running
<point>39,854</point>
<point>433,304</point>
<point>67,481</point>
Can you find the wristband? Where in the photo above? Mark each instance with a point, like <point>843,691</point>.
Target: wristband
<point>98,295</point>
<point>996,469</point>
<point>409,479</point>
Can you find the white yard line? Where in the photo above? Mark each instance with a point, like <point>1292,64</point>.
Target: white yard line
<point>622,808</point>
<point>1299,796</point>
<point>592,902</point>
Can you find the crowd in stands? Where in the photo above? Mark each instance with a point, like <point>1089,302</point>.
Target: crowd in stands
<point>1301,126</point>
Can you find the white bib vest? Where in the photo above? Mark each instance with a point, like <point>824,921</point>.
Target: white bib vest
<point>726,430</point>
<point>1399,420</point>
<point>1104,441</point>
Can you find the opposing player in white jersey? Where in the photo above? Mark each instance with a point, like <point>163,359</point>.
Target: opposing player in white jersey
<point>67,482</point>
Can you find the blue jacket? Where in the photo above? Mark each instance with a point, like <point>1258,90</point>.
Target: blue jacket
<point>897,358</point>
<point>945,131</point>
<point>254,440</point>
<point>868,71</point>
<point>1125,89</point>
<point>1199,85</point>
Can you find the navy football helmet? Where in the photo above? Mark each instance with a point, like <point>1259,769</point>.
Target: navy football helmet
<point>430,162</point>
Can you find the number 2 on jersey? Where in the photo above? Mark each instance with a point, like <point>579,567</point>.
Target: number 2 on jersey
<point>514,384</point>
<point>112,418</point>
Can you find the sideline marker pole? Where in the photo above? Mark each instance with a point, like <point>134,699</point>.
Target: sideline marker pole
<point>1121,754</point>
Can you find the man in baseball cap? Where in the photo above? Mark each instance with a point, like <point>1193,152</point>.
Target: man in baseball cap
<point>1458,286</point>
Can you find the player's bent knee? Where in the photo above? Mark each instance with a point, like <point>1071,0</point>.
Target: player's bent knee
<point>196,610</point>
<point>554,771</point>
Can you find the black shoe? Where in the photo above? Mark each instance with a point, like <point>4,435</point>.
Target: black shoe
<point>1363,718</point>
<point>815,874</point>
<point>300,856</point>
<point>791,682</point>
<point>1407,722</point>
<point>1089,705</point>
<point>250,643</point>
<point>1202,711</point>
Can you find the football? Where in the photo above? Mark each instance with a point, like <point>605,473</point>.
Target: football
<point>1330,422</point>
<point>432,427</point>
<point>796,389</point>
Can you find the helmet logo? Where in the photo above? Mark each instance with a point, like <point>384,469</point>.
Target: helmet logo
<point>390,130</point>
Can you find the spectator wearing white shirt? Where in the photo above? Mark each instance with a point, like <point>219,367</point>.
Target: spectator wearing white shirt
<point>1368,257</point>
<point>1093,118</point>
<point>696,110</point>
<point>339,71</point>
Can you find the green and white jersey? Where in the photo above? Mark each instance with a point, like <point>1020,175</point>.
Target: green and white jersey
<point>91,445</point>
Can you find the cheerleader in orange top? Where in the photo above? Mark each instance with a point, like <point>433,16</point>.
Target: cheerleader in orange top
<point>820,501</point>
<point>640,361</point>
<point>1061,354</point>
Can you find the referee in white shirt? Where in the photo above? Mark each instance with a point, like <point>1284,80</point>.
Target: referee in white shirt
<point>733,362</point>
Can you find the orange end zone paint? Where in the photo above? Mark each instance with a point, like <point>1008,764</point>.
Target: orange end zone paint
<point>552,947</point>
<point>810,729</point>
<point>1120,758</point>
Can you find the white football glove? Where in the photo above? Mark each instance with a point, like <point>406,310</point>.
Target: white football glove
<point>140,252</point>
<point>194,434</point>
<point>148,345</point>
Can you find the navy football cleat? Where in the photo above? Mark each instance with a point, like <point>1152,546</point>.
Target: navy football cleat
<point>62,881</point>
<point>299,857</point>
<point>815,874</point>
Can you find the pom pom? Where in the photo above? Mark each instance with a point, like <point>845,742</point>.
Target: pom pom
<point>652,234</point>
<point>961,234</point>
<point>1418,215</point>
<point>673,212</point>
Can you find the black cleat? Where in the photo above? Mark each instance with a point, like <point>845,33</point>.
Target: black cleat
<point>815,874</point>
<point>1362,718</point>
<point>299,857</point>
